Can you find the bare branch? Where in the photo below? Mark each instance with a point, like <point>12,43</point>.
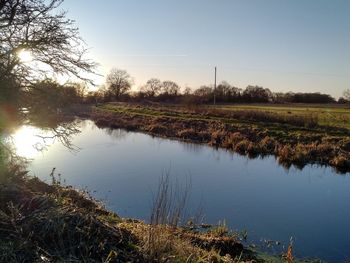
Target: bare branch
<point>53,40</point>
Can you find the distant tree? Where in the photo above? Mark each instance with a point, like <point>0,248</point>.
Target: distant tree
<point>315,97</point>
<point>152,87</point>
<point>346,94</point>
<point>92,97</point>
<point>279,97</point>
<point>187,91</point>
<point>227,93</point>
<point>170,88</point>
<point>80,89</point>
<point>222,91</point>
<point>341,100</point>
<point>118,82</point>
<point>204,93</point>
<point>256,94</point>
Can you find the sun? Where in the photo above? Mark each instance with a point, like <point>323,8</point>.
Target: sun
<point>25,56</point>
<point>26,141</point>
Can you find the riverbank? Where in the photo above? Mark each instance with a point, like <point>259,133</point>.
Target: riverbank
<point>293,139</point>
<point>54,223</point>
<point>45,223</point>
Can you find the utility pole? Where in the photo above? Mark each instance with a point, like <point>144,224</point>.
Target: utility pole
<point>215,88</point>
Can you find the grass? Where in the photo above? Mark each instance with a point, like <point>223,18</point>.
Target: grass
<point>43,223</point>
<point>329,115</point>
<point>294,139</point>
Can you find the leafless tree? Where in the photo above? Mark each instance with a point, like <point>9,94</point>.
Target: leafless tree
<point>80,88</point>
<point>170,88</point>
<point>346,94</point>
<point>187,91</point>
<point>38,27</point>
<point>118,82</point>
<point>152,87</point>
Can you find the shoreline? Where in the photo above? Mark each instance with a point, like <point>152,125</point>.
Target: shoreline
<point>291,144</point>
<point>51,222</point>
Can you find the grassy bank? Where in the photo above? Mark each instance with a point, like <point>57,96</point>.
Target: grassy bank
<point>298,139</point>
<point>52,223</point>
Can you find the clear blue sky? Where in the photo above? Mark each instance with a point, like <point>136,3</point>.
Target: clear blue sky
<point>294,45</point>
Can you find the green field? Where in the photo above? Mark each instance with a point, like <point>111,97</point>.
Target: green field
<point>329,115</point>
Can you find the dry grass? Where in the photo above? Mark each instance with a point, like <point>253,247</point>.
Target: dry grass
<point>42,223</point>
<point>179,245</point>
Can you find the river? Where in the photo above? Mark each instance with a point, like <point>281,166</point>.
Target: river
<point>258,195</point>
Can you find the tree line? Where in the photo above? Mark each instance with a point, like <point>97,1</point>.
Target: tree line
<point>53,95</point>
<point>119,82</point>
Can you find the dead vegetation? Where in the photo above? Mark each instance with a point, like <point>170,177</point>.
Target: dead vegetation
<point>51,223</point>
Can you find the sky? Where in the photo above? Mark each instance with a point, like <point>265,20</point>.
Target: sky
<point>283,45</point>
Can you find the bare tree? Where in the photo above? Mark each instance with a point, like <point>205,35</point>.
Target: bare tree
<point>170,88</point>
<point>346,94</point>
<point>187,91</point>
<point>80,88</point>
<point>38,27</point>
<point>152,87</point>
<point>118,82</point>
<point>205,93</point>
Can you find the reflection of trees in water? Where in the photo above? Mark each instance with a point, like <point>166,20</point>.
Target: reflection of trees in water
<point>54,127</point>
<point>9,161</point>
<point>192,147</point>
<point>63,133</point>
<point>58,127</point>
<point>82,123</point>
<point>116,134</point>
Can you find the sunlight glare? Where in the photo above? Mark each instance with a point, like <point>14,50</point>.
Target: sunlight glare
<point>27,142</point>
<point>25,56</point>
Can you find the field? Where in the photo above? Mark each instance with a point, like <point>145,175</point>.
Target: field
<point>327,114</point>
<point>295,135</point>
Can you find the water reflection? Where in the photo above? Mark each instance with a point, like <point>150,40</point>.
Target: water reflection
<point>29,141</point>
<point>116,134</point>
<point>192,147</point>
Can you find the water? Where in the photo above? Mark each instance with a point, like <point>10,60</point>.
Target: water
<point>123,169</point>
